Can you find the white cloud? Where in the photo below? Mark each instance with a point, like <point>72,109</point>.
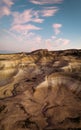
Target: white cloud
<point>57,28</point>
<point>41,2</point>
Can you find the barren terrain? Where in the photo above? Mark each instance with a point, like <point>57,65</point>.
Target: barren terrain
<point>40,90</point>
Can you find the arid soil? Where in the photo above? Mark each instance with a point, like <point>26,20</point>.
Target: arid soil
<point>40,90</point>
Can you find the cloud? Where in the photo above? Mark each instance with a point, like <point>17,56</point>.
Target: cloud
<point>37,20</point>
<point>42,2</point>
<point>49,11</point>
<point>57,28</point>
<point>21,18</point>
<point>33,15</point>
<point>5,6</point>
<point>62,41</point>
<point>25,35</point>
<point>24,28</point>
<point>9,3</point>
<point>65,41</point>
<point>26,16</point>
<point>4,11</point>
<point>21,22</point>
<point>30,41</point>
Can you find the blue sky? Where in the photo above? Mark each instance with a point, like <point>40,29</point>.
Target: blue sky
<point>27,25</point>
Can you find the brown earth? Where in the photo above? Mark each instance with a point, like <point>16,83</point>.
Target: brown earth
<point>40,90</point>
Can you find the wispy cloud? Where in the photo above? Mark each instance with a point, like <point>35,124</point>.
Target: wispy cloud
<point>25,28</point>
<point>62,41</point>
<point>57,43</point>
<point>56,28</point>
<point>30,15</point>
<point>5,6</point>
<point>49,11</point>
<point>21,21</point>
<point>9,3</point>
<point>65,42</point>
<point>41,2</point>
<point>26,16</point>
<point>32,41</point>
<point>4,11</point>
<point>24,34</point>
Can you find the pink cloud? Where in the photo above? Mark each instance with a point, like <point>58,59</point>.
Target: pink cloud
<point>47,12</point>
<point>41,2</point>
<point>9,3</point>
<point>28,27</point>
<point>5,11</point>
<point>5,6</point>
<point>57,28</point>
<point>66,41</point>
<point>38,39</point>
<point>56,43</point>
<point>26,16</point>
<point>38,20</point>
<point>62,41</point>
<point>32,41</point>
<point>21,18</point>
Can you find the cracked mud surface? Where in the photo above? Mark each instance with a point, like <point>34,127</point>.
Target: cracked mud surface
<point>40,90</point>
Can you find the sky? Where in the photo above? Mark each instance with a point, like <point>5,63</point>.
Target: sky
<point>28,25</point>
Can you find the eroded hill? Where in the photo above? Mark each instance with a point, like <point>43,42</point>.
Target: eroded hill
<point>40,90</point>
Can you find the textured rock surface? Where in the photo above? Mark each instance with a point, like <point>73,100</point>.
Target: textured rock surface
<point>40,90</point>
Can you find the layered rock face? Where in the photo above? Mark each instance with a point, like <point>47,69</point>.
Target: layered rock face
<point>40,90</point>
